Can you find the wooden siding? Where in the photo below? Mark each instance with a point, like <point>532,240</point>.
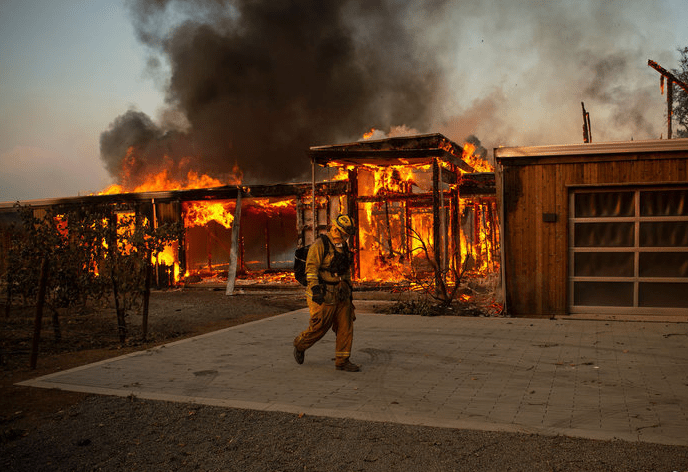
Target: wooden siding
<point>536,251</point>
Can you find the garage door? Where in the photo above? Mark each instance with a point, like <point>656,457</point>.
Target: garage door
<point>628,250</point>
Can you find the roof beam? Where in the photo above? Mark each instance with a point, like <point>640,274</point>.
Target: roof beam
<point>385,157</point>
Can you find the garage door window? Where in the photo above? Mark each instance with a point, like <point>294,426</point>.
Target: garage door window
<point>629,250</point>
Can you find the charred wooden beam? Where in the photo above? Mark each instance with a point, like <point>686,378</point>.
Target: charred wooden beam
<point>587,132</point>
<point>443,218</point>
<point>479,183</point>
<point>419,198</point>
<point>425,141</point>
<point>130,200</point>
<point>407,231</point>
<point>668,75</point>
<point>455,229</point>
<point>420,204</point>
<point>352,209</point>
<point>671,80</point>
<point>436,235</point>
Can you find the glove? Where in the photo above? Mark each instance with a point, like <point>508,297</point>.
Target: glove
<point>318,292</point>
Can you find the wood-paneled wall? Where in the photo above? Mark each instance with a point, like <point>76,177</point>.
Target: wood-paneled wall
<point>536,251</point>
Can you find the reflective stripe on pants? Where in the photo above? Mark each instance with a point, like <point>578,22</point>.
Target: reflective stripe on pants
<point>322,318</point>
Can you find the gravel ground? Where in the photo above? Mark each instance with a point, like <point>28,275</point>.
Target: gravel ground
<point>56,431</point>
<point>115,434</point>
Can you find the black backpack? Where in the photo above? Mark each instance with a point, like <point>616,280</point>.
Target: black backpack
<point>301,254</point>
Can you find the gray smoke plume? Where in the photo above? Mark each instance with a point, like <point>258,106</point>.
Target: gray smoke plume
<point>261,81</point>
<point>256,82</point>
<point>528,66</point>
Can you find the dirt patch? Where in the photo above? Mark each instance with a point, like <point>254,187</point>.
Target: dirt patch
<point>428,308</point>
<point>92,336</point>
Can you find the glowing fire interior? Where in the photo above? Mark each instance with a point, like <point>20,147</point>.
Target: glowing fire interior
<point>265,242</point>
<point>395,240</point>
<point>396,237</point>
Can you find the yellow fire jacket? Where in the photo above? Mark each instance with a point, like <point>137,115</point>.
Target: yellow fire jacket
<point>317,265</point>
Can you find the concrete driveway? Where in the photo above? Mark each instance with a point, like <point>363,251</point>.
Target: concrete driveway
<point>592,379</point>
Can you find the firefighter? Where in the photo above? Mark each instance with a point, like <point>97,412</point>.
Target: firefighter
<point>329,296</point>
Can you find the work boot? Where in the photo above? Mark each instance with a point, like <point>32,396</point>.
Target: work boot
<point>348,366</point>
<point>298,355</point>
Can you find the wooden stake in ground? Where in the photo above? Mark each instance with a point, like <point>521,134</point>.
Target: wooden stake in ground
<point>42,283</point>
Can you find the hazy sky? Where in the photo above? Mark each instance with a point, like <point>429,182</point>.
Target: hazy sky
<point>68,68</point>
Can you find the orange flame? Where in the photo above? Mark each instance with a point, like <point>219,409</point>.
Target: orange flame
<point>201,213</point>
<point>369,134</point>
<point>163,180</point>
<point>271,208</point>
<point>395,227</point>
<point>169,258</point>
<point>478,163</point>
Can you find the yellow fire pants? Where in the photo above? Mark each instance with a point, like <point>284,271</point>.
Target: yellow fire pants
<point>339,317</point>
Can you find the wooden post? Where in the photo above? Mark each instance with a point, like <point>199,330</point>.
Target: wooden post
<point>352,209</point>
<point>443,218</point>
<point>155,226</point>
<point>38,320</point>
<point>455,228</point>
<point>503,238</point>
<point>146,297</point>
<point>267,241</point>
<point>388,228</point>
<point>490,233</point>
<point>670,103</point>
<point>328,210</point>
<point>236,227</point>
<point>436,222</point>
<point>181,242</point>
<point>408,228</point>
<point>587,132</point>
<point>313,205</point>
<point>476,233</point>
<point>301,238</point>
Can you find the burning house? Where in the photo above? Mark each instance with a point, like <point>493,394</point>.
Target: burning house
<point>595,228</point>
<point>417,200</point>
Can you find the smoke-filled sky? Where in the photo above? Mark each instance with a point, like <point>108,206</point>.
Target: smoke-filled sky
<point>94,92</point>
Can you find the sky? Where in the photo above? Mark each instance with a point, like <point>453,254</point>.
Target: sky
<point>510,73</point>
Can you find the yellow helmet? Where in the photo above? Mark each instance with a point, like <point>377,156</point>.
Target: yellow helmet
<point>345,225</point>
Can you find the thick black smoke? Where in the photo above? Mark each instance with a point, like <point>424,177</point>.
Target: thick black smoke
<point>261,81</point>
<point>256,82</point>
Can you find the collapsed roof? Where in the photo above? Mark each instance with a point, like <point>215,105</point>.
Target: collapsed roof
<point>407,150</point>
